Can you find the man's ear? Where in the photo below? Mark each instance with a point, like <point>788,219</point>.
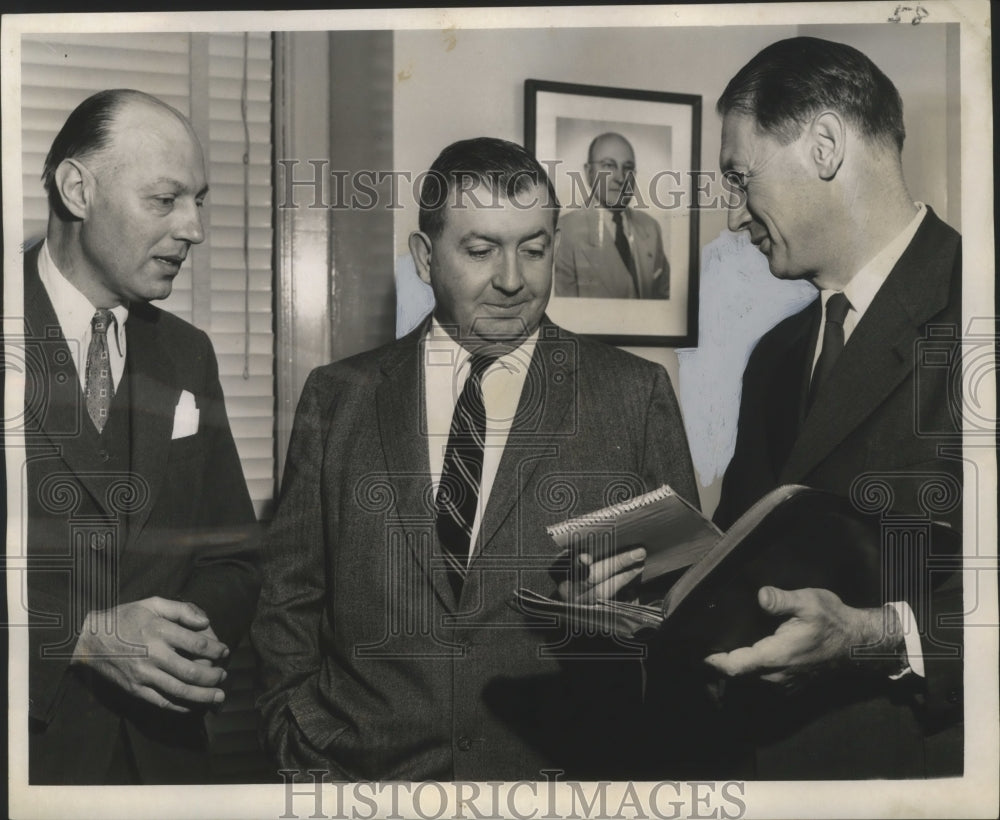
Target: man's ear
<point>827,143</point>
<point>75,185</point>
<point>420,250</point>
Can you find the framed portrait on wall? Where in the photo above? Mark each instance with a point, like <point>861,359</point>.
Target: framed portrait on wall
<point>624,163</point>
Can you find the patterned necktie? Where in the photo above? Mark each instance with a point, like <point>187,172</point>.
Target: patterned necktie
<point>458,492</point>
<point>100,388</point>
<point>621,242</point>
<point>837,307</point>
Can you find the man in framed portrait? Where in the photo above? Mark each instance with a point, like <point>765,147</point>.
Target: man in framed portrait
<point>608,250</point>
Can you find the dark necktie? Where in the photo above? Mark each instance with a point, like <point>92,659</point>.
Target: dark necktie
<point>837,307</point>
<point>621,242</point>
<point>462,472</point>
<point>100,388</point>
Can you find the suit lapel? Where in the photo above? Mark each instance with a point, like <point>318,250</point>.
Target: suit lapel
<point>55,406</point>
<point>880,353</point>
<point>400,406</point>
<point>542,407</point>
<point>154,392</point>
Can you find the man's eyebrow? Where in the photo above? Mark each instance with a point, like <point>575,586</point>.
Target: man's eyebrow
<point>539,234</point>
<point>176,184</point>
<point>473,236</point>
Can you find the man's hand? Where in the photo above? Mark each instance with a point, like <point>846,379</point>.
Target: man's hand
<point>818,636</point>
<point>590,581</point>
<point>158,650</point>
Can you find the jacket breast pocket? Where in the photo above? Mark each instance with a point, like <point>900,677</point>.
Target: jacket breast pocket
<point>186,449</point>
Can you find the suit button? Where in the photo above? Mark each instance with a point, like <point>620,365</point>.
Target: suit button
<point>104,455</point>
<point>954,696</point>
<point>464,744</point>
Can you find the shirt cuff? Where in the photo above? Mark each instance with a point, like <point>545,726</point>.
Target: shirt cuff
<point>911,638</point>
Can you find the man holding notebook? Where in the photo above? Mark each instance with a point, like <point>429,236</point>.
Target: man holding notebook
<point>421,477</point>
<point>837,397</point>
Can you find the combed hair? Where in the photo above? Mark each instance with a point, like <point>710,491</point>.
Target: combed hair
<point>502,167</point>
<point>86,132</point>
<point>790,81</point>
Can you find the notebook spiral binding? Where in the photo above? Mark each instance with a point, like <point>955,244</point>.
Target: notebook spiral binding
<point>609,513</point>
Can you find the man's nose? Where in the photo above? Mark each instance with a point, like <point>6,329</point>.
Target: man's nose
<point>189,226</point>
<point>739,217</point>
<point>508,277</point>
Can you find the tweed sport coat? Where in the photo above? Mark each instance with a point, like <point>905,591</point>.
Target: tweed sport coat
<point>370,666</point>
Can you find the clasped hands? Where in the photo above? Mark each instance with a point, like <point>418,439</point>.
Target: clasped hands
<point>817,636</point>
<point>161,651</point>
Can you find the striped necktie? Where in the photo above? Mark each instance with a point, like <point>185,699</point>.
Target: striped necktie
<point>461,474</point>
<point>100,388</point>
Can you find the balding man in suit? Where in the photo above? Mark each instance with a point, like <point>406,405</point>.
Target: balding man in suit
<point>608,250</point>
<point>141,550</point>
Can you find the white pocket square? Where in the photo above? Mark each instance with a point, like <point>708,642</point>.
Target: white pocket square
<point>185,416</point>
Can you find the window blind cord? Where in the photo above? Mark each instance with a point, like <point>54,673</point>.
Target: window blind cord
<point>246,209</point>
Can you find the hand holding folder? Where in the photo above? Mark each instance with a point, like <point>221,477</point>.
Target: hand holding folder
<point>794,538</point>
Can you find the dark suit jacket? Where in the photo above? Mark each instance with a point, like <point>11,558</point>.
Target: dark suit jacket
<point>883,430</point>
<point>588,266</point>
<point>371,668</point>
<point>178,523</point>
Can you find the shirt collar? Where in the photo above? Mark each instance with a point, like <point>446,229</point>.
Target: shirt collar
<point>73,310</point>
<point>439,341</point>
<point>861,290</point>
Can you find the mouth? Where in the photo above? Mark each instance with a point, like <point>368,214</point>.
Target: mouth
<point>505,307</point>
<point>173,261</point>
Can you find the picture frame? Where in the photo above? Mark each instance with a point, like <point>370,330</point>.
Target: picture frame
<point>642,302</point>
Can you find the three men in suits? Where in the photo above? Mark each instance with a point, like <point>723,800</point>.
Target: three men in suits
<point>140,533</point>
<point>421,477</point>
<point>608,250</point>
<point>836,397</point>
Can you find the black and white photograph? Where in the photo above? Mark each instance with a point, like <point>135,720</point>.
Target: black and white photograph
<point>622,163</point>
<point>492,412</point>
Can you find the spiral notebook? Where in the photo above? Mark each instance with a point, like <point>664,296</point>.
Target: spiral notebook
<point>794,536</point>
<point>674,533</point>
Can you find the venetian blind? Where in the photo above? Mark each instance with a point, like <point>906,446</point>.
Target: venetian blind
<point>225,287</point>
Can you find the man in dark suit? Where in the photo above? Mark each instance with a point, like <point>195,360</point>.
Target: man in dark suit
<point>839,397</point>
<point>608,250</point>
<point>140,540</point>
<point>836,397</point>
<point>421,477</point>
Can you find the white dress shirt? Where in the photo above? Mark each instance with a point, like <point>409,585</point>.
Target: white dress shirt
<point>860,292</point>
<point>606,228</point>
<point>446,367</point>
<point>74,312</point>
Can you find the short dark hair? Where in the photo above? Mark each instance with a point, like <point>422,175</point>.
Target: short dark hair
<point>86,132</point>
<point>501,166</point>
<point>791,80</point>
